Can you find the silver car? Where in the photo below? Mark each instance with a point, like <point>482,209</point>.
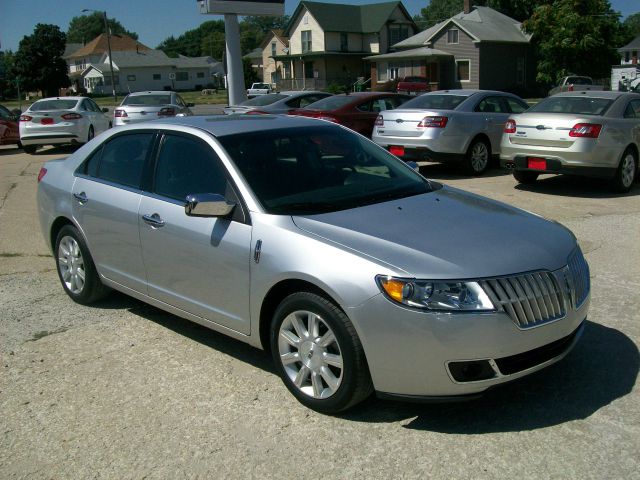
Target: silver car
<point>594,134</point>
<point>144,106</point>
<point>304,238</point>
<point>61,120</point>
<point>457,126</point>
<point>281,102</point>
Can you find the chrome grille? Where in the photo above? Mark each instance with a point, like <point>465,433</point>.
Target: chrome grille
<point>579,271</point>
<point>530,299</point>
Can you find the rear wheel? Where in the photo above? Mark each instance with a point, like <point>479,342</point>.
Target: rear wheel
<point>524,176</point>
<point>30,149</point>
<point>626,172</point>
<point>478,157</point>
<point>318,354</point>
<point>76,269</point>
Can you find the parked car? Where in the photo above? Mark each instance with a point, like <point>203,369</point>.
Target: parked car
<point>258,89</point>
<point>61,120</point>
<point>451,126</point>
<point>302,237</point>
<point>9,130</point>
<point>282,102</point>
<point>357,111</point>
<point>575,83</point>
<point>413,85</point>
<point>144,106</point>
<point>593,134</point>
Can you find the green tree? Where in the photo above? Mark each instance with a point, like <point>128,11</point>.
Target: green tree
<point>7,82</point>
<point>438,11</point>
<point>38,61</point>
<point>632,25</point>
<point>574,37</point>
<point>84,28</point>
<point>250,75</point>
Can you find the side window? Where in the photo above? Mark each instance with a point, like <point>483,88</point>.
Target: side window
<point>633,109</point>
<point>365,107</point>
<point>93,106</point>
<point>295,102</point>
<point>378,105</point>
<point>516,106</point>
<point>187,166</point>
<point>123,159</point>
<point>490,105</point>
<point>180,102</point>
<point>90,166</point>
<point>304,101</point>
<point>4,114</point>
<point>84,105</point>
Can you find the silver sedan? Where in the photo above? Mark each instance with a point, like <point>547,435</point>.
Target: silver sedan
<point>457,126</point>
<point>61,120</point>
<point>594,134</point>
<point>281,102</point>
<point>144,106</point>
<point>304,238</point>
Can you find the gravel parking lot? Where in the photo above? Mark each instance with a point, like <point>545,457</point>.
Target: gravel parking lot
<point>123,390</point>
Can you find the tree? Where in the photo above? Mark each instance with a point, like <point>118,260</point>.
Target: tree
<point>574,37</point>
<point>7,82</point>
<point>38,61</point>
<point>438,11</point>
<point>632,25</point>
<point>84,28</point>
<point>250,75</point>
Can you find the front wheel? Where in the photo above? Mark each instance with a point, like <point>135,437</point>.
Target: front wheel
<point>525,176</point>
<point>318,354</point>
<point>478,157</point>
<point>626,172</point>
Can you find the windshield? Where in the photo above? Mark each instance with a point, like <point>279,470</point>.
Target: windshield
<point>331,103</point>
<point>579,105</point>
<point>44,105</point>
<point>263,100</point>
<point>435,102</point>
<point>309,170</point>
<point>155,99</point>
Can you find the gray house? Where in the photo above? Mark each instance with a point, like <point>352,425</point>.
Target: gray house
<point>477,48</point>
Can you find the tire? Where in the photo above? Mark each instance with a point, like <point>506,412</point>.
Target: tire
<point>300,352</point>
<point>626,172</point>
<point>91,134</point>
<point>73,261</point>
<point>478,157</point>
<point>30,149</point>
<point>525,177</point>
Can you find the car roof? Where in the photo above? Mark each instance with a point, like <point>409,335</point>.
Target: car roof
<point>150,92</point>
<point>594,94</point>
<point>467,92</point>
<point>223,125</point>
<point>61,98</point>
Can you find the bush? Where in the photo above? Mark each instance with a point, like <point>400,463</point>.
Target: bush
<point>335,87</point>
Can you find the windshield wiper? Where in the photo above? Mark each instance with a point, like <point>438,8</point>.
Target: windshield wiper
<point>307,207</point>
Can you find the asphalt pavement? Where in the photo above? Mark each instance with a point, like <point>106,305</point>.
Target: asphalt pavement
<point>124,390</point>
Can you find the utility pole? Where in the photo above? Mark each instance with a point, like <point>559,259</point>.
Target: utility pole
<point>108,32</point>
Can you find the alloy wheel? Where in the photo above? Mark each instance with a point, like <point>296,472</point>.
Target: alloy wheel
<point>71,264</point>
<point>628,170</point>
<point>479,157</point>
<point>310,354</point>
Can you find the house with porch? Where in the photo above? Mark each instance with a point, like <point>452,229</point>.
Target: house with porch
<point>328,42</point>
<point>477,48</point>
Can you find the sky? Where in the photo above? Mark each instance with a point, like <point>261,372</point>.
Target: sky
<point>152,20</point>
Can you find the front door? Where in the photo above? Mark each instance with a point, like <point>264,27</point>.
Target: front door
<point>199,265</point>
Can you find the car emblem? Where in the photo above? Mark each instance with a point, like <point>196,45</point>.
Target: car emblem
<point>541,127</point>
<point>399,120</point>
<point>143,113</point>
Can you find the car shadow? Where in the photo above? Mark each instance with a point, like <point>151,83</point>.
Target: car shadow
<point>444,171</point>
<point>570,186</point>
<point>10,150</point>
<point>602,368</point>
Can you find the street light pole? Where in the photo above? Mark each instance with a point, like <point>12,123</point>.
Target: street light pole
<point>108,32</point>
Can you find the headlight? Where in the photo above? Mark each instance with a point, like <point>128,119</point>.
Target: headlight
<point>428,295</point>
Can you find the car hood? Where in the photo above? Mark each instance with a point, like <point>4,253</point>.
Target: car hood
<point>447,234</point>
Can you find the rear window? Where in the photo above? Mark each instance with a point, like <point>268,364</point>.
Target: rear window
<point>155,99</point>
<point>331,103</point>
<point>579,80</point>
<point>261,86</point>
<point>263,100</point>
<point>44,105</point>
<point>436,102</point>
<point>575,105</point>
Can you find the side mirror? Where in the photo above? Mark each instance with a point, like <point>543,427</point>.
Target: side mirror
<point>413,165</point>
<point>207,205</point>
<point>104,110</point>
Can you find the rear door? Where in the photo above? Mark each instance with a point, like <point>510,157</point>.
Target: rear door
<point>199,265</point>
<point>106,197</point>
<point>495,112</point>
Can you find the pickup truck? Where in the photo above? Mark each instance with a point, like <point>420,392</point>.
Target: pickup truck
<point>258,89</point>
<point>574,83</point>
<point>413,85</point>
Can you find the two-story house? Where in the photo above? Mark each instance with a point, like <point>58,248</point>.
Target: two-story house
<point>328,42</point>
<point>477,48</point>
<point>275,45</point>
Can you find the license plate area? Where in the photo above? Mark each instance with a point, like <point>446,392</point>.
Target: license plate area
<point>535,163</point>
<point>46,121</point>
<point>396,150</point>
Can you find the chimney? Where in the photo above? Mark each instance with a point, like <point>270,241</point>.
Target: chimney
<point>467,6</point>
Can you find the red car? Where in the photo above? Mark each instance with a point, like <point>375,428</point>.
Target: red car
<point>9,132</point>
<point>413,85</point>
<point>358,111</point>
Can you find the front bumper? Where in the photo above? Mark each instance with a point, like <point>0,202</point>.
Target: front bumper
<point>410,353</point>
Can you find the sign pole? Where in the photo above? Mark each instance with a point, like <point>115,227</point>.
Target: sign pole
<point>235,79</point>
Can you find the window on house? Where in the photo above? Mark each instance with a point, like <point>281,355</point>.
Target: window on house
<point>394,70</point>
<point>305,20</point>
<point>344,42</point>
<point>308,69</point>
<point>285,71</point>
<point>452,35</point>
<point>382,71</point>
<point>157,76</point>
<point>463,70</point>
<point>306,40</point>
<point>200,75</point>
<point>182,76</point>
<point>273,49</point>
<point>397,33</point>
<point>131,78</point>
<point>107,79</point>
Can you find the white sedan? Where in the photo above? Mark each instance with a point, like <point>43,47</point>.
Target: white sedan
<point>61,120</point>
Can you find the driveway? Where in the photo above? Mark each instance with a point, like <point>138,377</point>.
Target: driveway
<point>124,390</point>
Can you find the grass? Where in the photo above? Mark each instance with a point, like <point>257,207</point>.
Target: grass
<point>195,97</point>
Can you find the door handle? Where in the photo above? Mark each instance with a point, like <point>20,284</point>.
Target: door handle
<point>154,220</point>
<point>81,197</point>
